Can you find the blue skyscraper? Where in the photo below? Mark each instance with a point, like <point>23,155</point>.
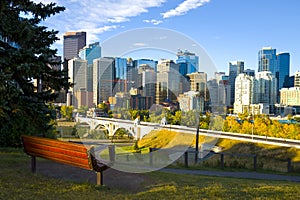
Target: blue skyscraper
<point>267,60</point>
<point>121,70</point>
<point>283,63</point>
<point>277,64</point>
<point>89,53</point>
<point>151,63</point>
<point>188,62</point>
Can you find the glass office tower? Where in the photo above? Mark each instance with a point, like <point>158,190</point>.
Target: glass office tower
<point>283,62</point>
<point>188,62</point>
<point>267,60</point>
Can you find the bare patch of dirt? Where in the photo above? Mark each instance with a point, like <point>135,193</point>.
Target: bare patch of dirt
<point>131,182</point>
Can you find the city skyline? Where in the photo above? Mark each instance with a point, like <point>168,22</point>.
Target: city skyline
<point>228,30</point>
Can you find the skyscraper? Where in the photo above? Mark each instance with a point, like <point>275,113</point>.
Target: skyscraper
<point>297,79</point>
<point>89,53</point>
<point>121,71</point>
<point>198,82</point>
<point>188,62</point>
<point>283,62</point>
<point>103,79</point>
<point>235,68</point>
<point>131,74</point>
<point>266,89</point>
<point>277,64</point>
<point>78,74</point>
<point>168,81</point>
<point>73,42</point>
<point>244,93</point>
<point>146,81</point>
<point>267,60</point>
<point>249,72</point>
<point>151,63</point>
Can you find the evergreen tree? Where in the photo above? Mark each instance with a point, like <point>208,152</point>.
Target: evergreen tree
<point>25,58</point>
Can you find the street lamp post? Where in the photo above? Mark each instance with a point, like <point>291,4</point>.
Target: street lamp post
<point>252,121</point>
<point>197,144</point>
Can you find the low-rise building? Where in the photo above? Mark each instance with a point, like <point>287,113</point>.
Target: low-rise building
<point>191,100</point>
<point>290,96</point>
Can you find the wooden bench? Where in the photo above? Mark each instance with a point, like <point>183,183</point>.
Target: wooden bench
<point>69,153</point>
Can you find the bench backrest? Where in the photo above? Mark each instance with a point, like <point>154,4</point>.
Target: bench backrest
<point>59,151</point>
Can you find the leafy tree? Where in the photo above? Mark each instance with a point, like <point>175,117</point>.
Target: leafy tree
<point>83,109</point>
<point>190,118</point>
<point>290,117</point>
<point>216,123</point>
<point>247,127</point>
<point>67,112</point>
<point>103,106</point>
<point>134,114</point>
<point>244,116</point>
<point>232,125</point>
<point>25,58</point>
<point>177,118</point>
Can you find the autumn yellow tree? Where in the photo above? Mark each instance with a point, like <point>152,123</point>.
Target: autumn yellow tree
<point>247,127</point>
<point>232,125</point>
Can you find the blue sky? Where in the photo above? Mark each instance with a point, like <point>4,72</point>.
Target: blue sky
<point>228,30</point>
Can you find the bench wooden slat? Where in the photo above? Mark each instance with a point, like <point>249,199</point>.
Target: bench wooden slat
<point>56,143</point>
<point>59,150</point>
<point>67,159</point>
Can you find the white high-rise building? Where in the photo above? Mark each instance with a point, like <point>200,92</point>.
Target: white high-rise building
<point>235,68</point>
<point>253,92</point>
<point>244,93</point>
<point>266,88</point>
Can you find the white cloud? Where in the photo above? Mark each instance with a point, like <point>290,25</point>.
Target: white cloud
<point>184,7</point>
<point>118,20</point>
<point>139,44</point>
<point>104,29</point>
<point>45,1</point>
<point>153,21</point>
<point>97,16</point>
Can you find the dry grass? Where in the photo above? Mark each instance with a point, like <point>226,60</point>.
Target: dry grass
<point>17,182</point>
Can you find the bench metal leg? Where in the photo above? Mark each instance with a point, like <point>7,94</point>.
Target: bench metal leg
<point>99,178</point>
<point>33,164</point>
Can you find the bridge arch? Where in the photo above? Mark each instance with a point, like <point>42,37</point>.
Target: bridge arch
<point>130,131</point>
<point>106,126</point>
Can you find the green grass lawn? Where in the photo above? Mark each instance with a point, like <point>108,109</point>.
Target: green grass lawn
<point>17,182</point>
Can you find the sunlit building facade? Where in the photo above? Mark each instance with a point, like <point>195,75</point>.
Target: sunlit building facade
<point>188,62</point>
<point>235,68</point>
<point>167,81</point>
<point>103,79</point>
<point>244,93</point>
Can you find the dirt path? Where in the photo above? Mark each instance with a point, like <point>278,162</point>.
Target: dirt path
<point>130,182</point>
<point>134,182</point>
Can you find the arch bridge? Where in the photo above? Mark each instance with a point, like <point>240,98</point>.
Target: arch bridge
<point>135,128</point>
